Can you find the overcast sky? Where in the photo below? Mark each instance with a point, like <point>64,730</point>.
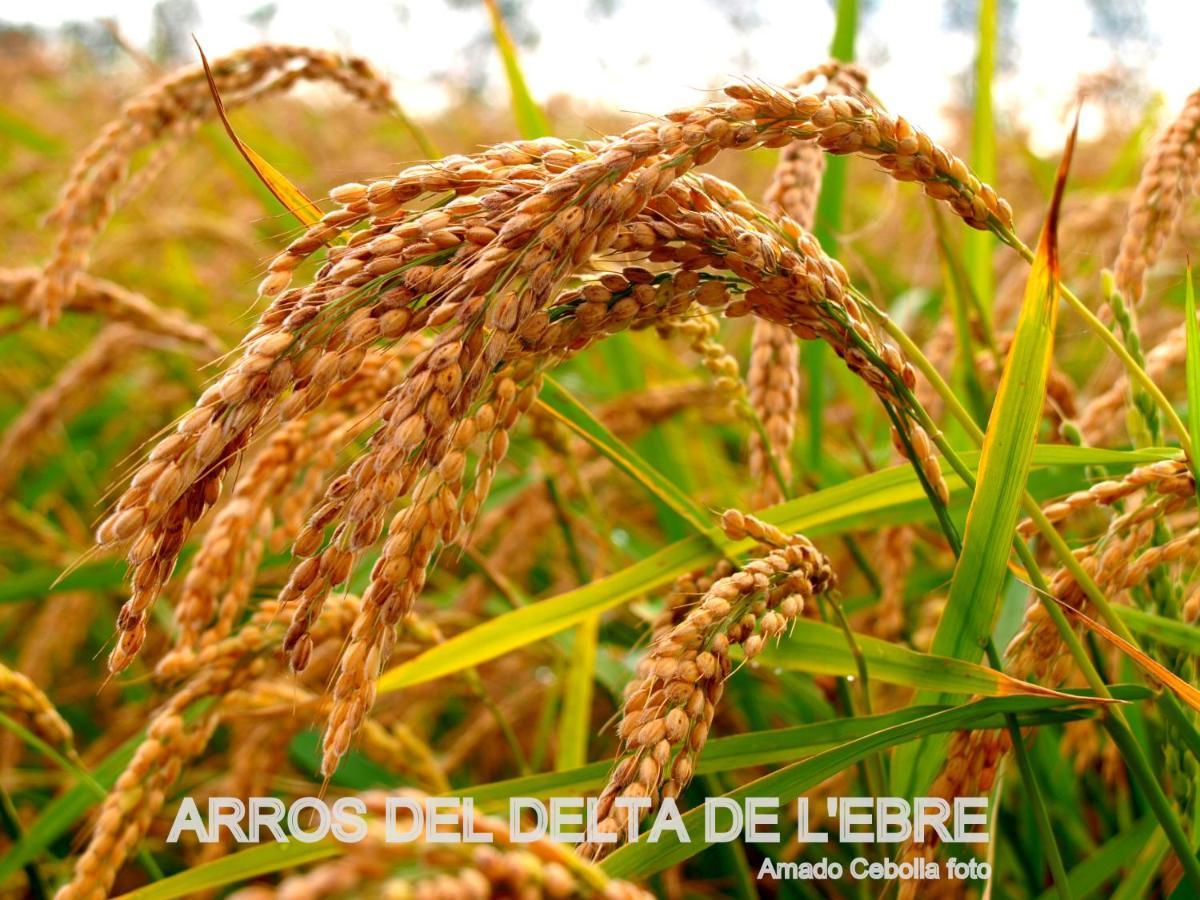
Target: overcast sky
<point>652,55</point>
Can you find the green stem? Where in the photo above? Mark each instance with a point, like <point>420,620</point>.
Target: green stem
<point>510,737</point>
<point>746,411</point>
<point>1029,778</point>
<point>874,766</point>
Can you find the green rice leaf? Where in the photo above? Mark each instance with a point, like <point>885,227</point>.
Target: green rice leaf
<point>1168,632</point>
<point>821,649</point>
<point>235,868</point>
<point>1005,462</point>
<point>57,816</point>
<point>575,720</point>
<point>980,244</point>
<point>531,122</point>
<point>1192,330</point>
<point>1007,456</point>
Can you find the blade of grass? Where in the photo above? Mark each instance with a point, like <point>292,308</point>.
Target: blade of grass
<point>563,406</point>
<point>1007,454</point>
<point>1169,632</point>
<point>1192,331</point>
<point>10,821</point>
<point>81,775</point>
<point>17,130</point>
<point>235,868</point>
<point>983,153</point>
<point>531,122</point>
<point>760,748</point>
<point>827,225</point>
<point>973,600</point>
<point>575,720</point>
<point>1115,723</point>
<point>1091,874</point>
<point>820,649</point>
<point>958,289</point>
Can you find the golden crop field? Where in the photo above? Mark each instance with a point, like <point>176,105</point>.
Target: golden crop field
<point>705,470</point>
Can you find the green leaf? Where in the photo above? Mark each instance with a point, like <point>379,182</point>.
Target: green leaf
<point>63,811</point>
<point>642,858</point>
<point>960,293</point>
<point>1144,865</point>
<point>235,868</point>
<point>821,649</point>
<point>17,130</point>
<point>37,582</point>
<point>1092,874</point>
<point>869,498</point>
<point>983,153</point>
<point>530,120</point>
<point>761,748</point>
<point>1169,632</point>
<point>1007,456</point>
<point>575,721</point>
<point>1005,462</point>
<point>827,227</point>
<point>1193,367</point>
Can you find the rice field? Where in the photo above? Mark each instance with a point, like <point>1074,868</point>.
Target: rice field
<point>761,449</point>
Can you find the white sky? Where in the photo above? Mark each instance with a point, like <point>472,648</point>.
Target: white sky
<point>653,55</point>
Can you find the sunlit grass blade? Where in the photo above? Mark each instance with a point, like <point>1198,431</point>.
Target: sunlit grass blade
<point>531,122</point>
<point>761,748</point>
<point>827,226</point>
<point>235,868</point>
<point>575,720</point>
<point>1007,454</point>
<point>1192,331</point>
<point>820,649</point>
<point>979,244</point>
<point>292,198</point>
